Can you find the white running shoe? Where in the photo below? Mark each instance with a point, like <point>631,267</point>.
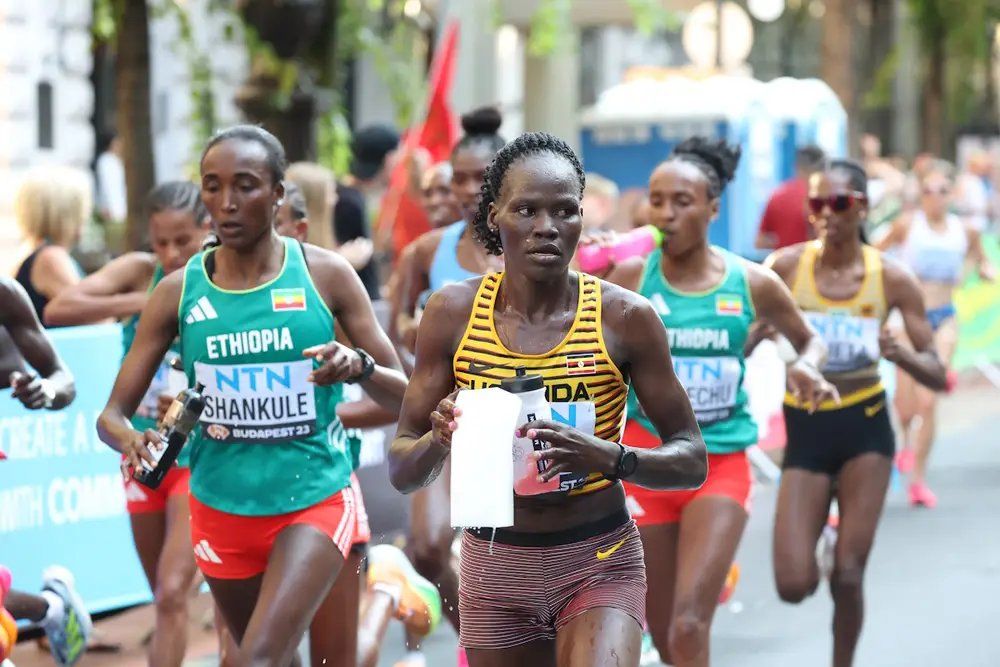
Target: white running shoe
<point>649,657</point>
<point>827,545</point>
<point>67,632</point>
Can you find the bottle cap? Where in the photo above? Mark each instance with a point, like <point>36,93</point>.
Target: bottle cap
<point>199,387</point>
<point>522,382</point>
<point>657,234</point>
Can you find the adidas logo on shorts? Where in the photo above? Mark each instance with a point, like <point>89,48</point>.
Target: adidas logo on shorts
<point>200,311</point>
<point>204,551</point>
<point>134,493</point>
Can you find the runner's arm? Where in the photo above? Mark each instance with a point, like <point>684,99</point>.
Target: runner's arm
<point>363,413</point>
<point>416,456</point>
<point>921,362</point>
<point>896,235</point>
<point>775,306</point>
<point>681,461</point>
<point>18,316</point>
<point>115,291</point>
<point>984,267</point>
<point>773,302</point>
<point>156,331</point>
<point>350,302</point>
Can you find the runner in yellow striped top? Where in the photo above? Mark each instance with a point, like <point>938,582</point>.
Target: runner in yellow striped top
<point>579,374</point>
<point>570,571</point>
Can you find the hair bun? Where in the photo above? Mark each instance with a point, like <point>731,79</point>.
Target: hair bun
<point>723,158</point>
<point>484,121</point>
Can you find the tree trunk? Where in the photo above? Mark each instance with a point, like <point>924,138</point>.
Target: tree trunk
<point>836,49</point>
<point>132,115</point>
<point>932,132</point>
<point>292,29</point>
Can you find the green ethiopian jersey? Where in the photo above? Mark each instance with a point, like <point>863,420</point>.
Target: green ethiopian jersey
<point>270,441</point>
<point>145,414</point>
<point>707,331</point>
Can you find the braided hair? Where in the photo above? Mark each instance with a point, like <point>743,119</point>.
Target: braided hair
<point>857,179</point>
<point>717,160</point>
<point>532,143</point>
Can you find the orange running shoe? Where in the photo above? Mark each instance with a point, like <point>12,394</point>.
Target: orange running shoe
<point>419,603</point>
<point>731,580</point>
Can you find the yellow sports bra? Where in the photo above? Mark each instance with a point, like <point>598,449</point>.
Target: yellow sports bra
<point>582,384</point>
<point>850,328</point>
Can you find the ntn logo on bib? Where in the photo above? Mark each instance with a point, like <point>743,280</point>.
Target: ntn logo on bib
<point>851,341</point>
<point>264,402</point>
<point>712,385</point>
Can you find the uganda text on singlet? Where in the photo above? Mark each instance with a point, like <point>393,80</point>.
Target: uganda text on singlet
<point>270,441</point>
<point>582,384</point>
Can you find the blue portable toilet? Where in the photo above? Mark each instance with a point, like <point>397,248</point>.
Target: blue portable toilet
<point>634,126</point>
<point>807,111</point>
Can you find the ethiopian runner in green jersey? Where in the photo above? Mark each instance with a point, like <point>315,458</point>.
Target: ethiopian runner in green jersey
<point>270,521</point>
<point>707,299</point>
<point>178,222</point>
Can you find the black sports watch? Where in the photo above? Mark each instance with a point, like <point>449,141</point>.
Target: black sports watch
<point>627,463</point>
<point>367,367</point>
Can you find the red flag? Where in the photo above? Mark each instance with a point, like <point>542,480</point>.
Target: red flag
<point>401,216</point>
<point>440,130</point>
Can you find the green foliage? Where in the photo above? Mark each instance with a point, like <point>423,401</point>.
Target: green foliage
<point>107,14</point>
<point>549,24</point>
<point>880,94</point>
<point>652,17</point>
<point>962,32</point>
<point>334,140</point>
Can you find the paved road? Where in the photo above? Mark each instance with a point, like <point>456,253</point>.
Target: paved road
<point>933,583</point>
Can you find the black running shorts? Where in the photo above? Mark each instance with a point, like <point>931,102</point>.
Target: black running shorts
<point>827,439</point>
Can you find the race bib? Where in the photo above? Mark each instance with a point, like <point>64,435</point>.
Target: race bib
<point>258,403</point>
<point>583,417</point>
<point>851,341</point>
<point>711,384</point>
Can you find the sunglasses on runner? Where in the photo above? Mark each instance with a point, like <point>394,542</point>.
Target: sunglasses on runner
<point>837,203</point>
<point>940,192</point>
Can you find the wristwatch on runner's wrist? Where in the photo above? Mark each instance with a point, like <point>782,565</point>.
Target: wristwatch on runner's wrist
<point>627,463</point>
<point>367,367</point>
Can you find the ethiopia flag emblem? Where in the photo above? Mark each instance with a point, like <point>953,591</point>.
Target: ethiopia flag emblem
<point>726,304</point>
<point>288,299</point>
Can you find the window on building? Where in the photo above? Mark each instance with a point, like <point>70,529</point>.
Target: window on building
<point>46,135</point>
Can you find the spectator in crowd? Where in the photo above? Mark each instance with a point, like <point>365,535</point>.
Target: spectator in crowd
<point>785,220</point>
<point>111,202</point>
<point>600,203</point>
<point>51,208</point>
<point>361,189</point>
<point>975,191</point>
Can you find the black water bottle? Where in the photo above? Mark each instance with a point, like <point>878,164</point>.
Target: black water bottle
<point>180,420</point>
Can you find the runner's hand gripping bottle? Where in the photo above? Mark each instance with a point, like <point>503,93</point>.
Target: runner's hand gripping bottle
<point>596,257</point>
<point>531,390</point>
<point>177,425</point>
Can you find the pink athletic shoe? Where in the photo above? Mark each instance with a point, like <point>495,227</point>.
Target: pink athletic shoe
<point>922,496</point>
<point>951,380</point>
<point>905,459</point>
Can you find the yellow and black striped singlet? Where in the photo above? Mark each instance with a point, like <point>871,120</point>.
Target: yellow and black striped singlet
<point>582,384</point>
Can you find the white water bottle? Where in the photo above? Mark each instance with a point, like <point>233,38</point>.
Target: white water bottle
<point>531,390</point>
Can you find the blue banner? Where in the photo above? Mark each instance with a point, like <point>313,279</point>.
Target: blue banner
<point>61,494</point>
